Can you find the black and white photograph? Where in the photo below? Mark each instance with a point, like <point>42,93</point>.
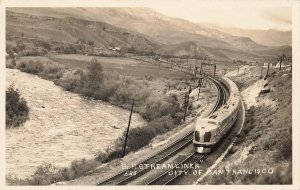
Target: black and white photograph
<point>150,93</point>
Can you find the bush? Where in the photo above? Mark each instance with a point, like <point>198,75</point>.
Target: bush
<point>70,80</point>
<point>11,63</point>
<point>33,67</point>
<point>139,137</point>
<point>52,70</point>
<point>157,107</point>
<point>16,108</point>
<point>162,125</point>
<point>48,174</point>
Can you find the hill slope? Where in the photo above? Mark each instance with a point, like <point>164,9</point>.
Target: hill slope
<point>140,28</point>
<point>69,30</point>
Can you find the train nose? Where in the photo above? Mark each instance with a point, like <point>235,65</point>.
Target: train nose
<point>207,136</point>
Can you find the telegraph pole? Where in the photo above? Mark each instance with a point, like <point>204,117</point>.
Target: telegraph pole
<point>280,63</point>
<point>268,70</point>
<point>124,150</point>
<point>215,68</point>
<point>187,96</point>
<point>199,85</point>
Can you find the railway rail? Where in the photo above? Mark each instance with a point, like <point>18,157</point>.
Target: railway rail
<point>174,172</point>
<point>122,177</point>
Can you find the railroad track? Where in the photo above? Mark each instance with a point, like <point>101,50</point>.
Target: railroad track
<point>177,170</point>
<point>127,175</point>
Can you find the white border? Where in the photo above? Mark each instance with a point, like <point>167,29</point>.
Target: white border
<point>141,3</point>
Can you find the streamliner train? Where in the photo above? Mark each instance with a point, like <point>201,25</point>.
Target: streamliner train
<point>209,131</point>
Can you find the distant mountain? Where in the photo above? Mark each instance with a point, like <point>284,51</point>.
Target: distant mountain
<point>160,28</point>
<point>141,28</point>
<point>244,43</point>
<point>266,37</point>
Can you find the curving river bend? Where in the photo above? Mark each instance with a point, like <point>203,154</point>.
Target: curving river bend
<point>62,126</point>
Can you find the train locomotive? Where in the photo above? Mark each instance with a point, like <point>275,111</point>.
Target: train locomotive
<point>210,130</point>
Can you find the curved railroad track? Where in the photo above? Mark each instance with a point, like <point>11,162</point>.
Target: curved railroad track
<point>123,177</point>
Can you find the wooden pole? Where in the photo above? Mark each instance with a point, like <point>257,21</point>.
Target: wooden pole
<point>280,63</point>
<point>215,68</point>
<point>268,70</point>
<point>186,105</point>
<point>127,132</point>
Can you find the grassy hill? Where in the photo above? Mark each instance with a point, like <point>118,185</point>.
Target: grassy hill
<point>137,29</point>
<point>70,30</point>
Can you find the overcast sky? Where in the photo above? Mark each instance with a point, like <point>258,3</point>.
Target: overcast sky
<point>241,14</point>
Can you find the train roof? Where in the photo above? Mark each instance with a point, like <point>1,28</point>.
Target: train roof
<point>232,102</point>
<point>206,123</point>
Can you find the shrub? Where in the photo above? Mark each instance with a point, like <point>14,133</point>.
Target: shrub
<point>11,63</point>
<point>162,124</point>
<point>16,108</point>
<point>139,137</point>
<point>160,106</point>
<point>48,174</point>
<point>33,67</point>
<point>52,70</point>
<point>70,80</point>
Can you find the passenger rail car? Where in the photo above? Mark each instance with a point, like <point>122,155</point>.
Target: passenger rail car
<point>208,131</point>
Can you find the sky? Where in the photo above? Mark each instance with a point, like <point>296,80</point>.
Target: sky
<point>241,14</point>
<point>246,14</point>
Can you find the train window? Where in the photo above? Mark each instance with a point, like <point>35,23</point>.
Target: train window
<point>212,116</point>
<point>211,122</point>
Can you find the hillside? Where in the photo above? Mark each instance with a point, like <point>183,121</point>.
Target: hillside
<point>140,28</point>
<point>70,30</point>
<point>265,142</point>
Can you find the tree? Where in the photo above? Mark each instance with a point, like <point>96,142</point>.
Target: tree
<point>93,79</point>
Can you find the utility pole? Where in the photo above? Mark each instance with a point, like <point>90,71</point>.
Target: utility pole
<point>280,63</point>
<point>126,137</point>
<point>215,68</point>
<point>262,67</point>
<point>186,102</point>
<point>268,70</point>
<point>201,69</point>
<point>199,85</point>
<point>204,80</point>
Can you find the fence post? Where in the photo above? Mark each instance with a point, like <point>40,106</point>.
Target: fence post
<point>126,137</point>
